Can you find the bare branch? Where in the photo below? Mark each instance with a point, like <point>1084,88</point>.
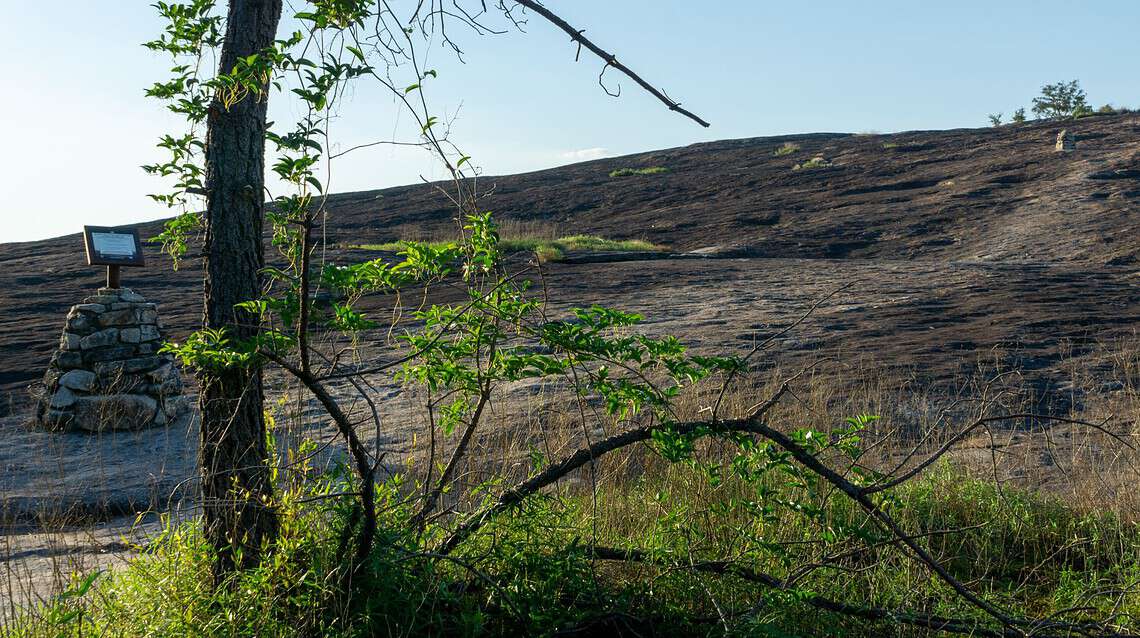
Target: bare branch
<point>609,59</point>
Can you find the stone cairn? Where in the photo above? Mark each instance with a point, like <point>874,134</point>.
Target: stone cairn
<point>1066,141</point>
<point>107,373</point>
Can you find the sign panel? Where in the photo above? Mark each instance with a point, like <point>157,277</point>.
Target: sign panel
<point>112,246</point>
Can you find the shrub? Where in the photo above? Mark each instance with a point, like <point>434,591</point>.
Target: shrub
<point>815,162</point>
<point>995,119</point>
<point>1018,116</point>
<point>626,172</point>
<point>1061,100</point>
<point>787,149</point>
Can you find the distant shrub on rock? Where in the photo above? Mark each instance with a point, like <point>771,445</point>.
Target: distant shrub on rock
<point>1061,101</point>
<point>626,172</point>
<point>787,149</point>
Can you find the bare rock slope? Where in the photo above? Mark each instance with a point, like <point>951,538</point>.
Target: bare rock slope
<point>954,244</point>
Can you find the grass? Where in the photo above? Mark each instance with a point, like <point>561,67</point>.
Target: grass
<point>1034,554</point>
<point>626,172</point>
<point>1072,550</point>
<point>786,149</point>
<point>547,250</point>
<point>815,162</point>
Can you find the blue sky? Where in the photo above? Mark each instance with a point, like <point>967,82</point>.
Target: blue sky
<point>77,127</point>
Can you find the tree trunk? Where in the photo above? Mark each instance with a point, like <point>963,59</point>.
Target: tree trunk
<point>236,484</point>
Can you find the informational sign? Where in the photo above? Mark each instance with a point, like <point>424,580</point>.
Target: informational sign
<point>112,246</point>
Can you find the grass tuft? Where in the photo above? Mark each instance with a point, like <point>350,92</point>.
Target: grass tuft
<point>626,172</point>
<point>815,162</point>
<point>547,250</point>
<point>787,149</point>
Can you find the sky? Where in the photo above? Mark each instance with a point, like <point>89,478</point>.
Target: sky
<point>77,127</point>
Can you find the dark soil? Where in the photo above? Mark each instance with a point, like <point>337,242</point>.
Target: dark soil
<point>957,246</point>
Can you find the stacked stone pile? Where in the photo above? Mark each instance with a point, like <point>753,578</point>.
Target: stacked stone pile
<point>108,373</point>
<point>1066,141</point>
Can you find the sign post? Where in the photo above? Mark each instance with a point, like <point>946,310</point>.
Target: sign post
<point>113,248</point>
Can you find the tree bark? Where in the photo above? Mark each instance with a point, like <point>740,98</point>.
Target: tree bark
<point>238,519</point>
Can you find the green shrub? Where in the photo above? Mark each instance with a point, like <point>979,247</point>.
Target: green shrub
<point>786,149</point>
<point>815,162</point>
<point>626,172</point>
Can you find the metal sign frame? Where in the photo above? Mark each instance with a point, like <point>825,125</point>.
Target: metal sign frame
<point>95,258</point>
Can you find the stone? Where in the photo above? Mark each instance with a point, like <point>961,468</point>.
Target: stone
<point>148,315</point>
<point>123,317</point>
<point>63,398</point>
<point>1066,141</point>
<point>149,333</point>
<point>99,339</point>
<point>69,341</point>
<point>119,305</point>
<point>108,370</point>
<point>81,380</point>
<point>129,335</point>
<point>142,364</point>
<point>114,412</point>
<point>126,383</point>
<point>129,295</point>
<point>103,300</point>
<point>69,359</point>
<point>113,353</point>
<point>89,307</point>
<point>81,323</point>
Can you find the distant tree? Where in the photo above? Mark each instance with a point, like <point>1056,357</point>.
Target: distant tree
<point>1060,101</point>
<point>1018,116</point>
<point>995,119</point>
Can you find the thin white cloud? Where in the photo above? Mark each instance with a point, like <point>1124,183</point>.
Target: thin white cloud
<point>586,154</point>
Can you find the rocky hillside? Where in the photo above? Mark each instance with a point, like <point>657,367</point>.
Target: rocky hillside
<point>954,243</point>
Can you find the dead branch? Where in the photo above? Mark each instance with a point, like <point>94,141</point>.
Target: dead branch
<point>609,58</point>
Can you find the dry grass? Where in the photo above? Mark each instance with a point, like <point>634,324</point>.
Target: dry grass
<point>1087,469</point>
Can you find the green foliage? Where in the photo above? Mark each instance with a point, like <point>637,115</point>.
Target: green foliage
<point>995,119</point>
<point>626,172</point>
<point>1060,101</point>
<point>815,162</point>
<point>723,496</point>
<point>1018,116</point>
<point>546,249</point>
<point>531,573</point>
<point>787,148</point>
